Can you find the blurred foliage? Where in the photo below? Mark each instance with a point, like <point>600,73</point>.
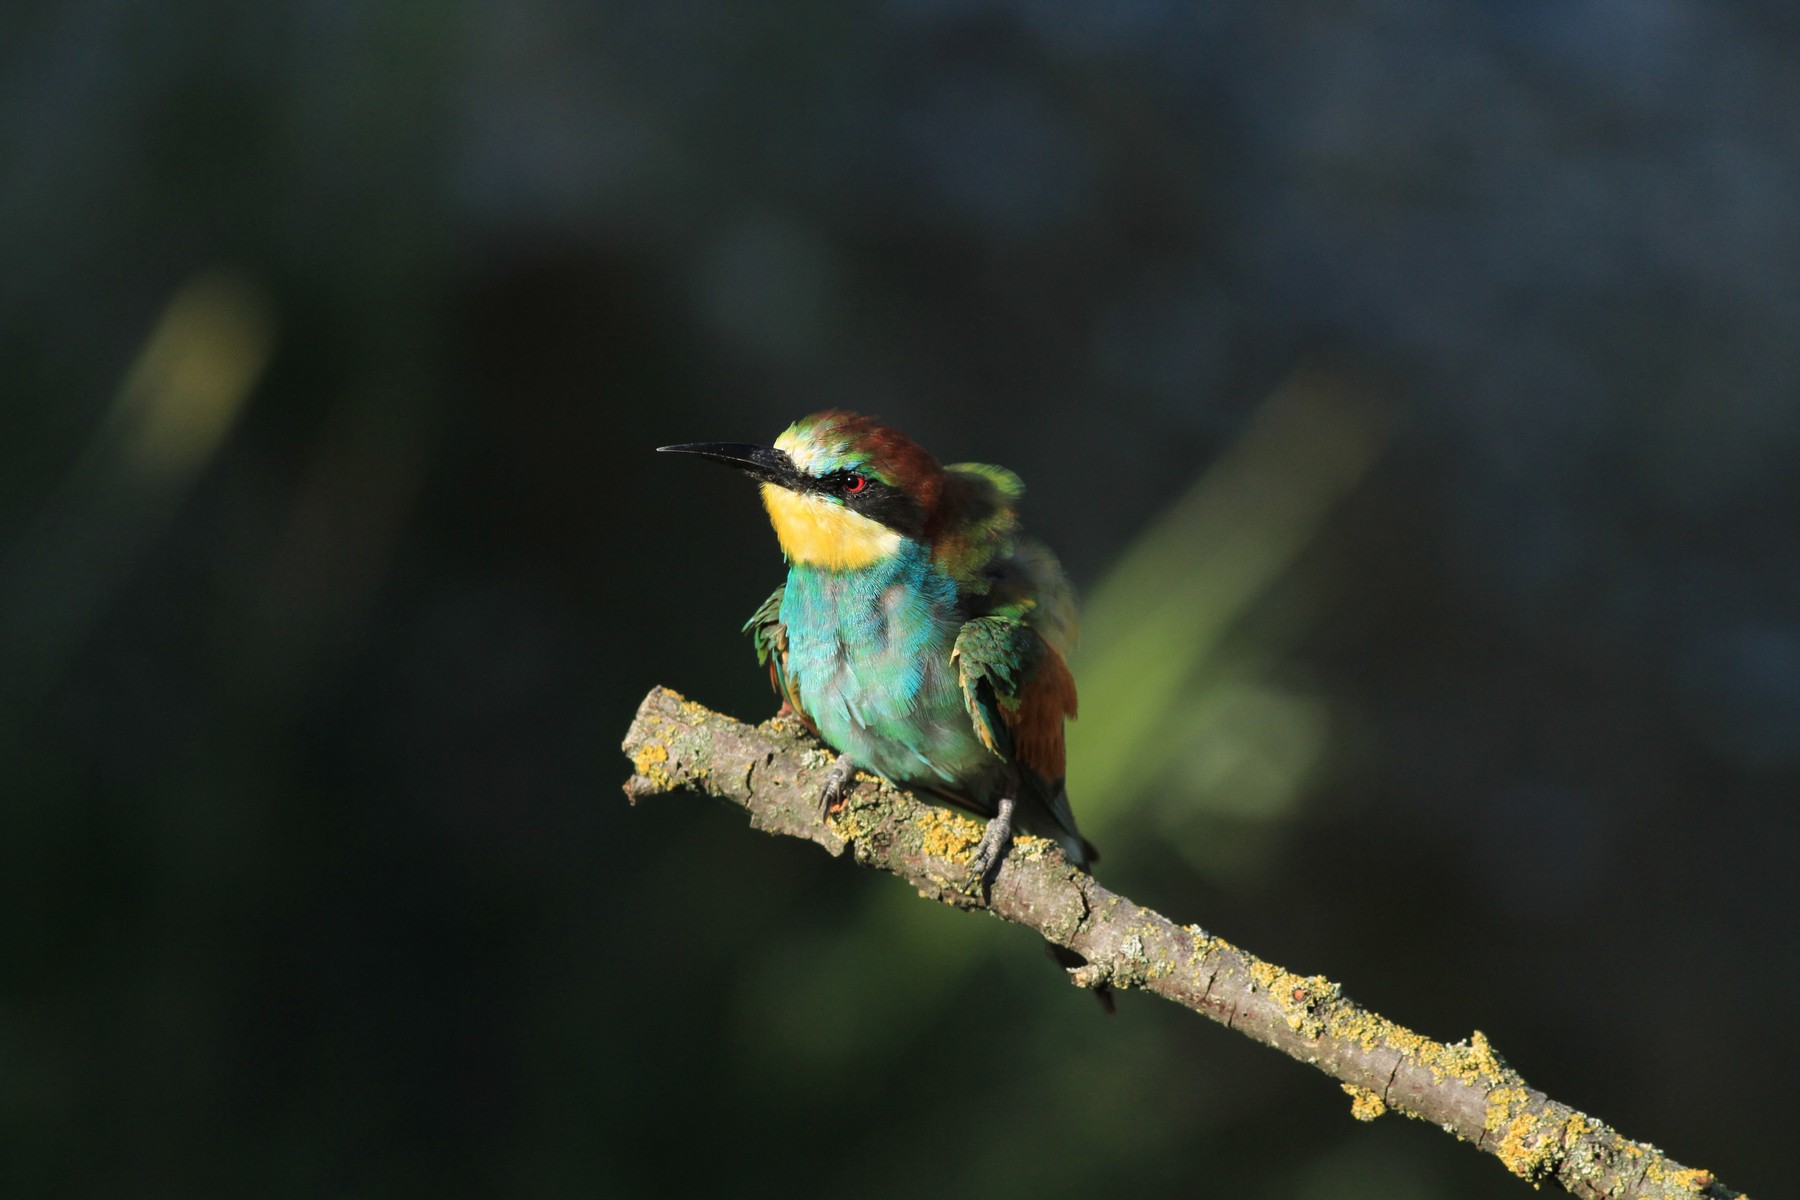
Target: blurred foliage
<point>1172,605</point>
<point>1411,385</point>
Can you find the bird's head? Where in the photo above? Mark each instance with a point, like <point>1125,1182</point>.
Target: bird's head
<point>843,491</point>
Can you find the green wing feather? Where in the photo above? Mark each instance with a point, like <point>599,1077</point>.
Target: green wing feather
<point>1018,692</point>
<point>998,570</point>
<point>1020,623</point>
<point>769,636</point>
<point>977,522</point>
<point>988,655</point>
<point>1002,481</point>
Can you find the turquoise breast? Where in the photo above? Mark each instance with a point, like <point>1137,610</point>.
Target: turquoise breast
<point>869,654</point>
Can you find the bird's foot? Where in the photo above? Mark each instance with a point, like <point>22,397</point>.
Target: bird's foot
<point>992,846</point>
<point>838,782</point>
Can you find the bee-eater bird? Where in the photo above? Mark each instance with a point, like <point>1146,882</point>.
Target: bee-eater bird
<point>919,632</point>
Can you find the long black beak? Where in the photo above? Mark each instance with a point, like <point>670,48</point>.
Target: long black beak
<point>759,462</point>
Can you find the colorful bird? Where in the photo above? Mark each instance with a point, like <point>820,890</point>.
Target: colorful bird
<point>919,633</point>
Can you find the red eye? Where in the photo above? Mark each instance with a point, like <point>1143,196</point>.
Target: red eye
<point>855,484</point>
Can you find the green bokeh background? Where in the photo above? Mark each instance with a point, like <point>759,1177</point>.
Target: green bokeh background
<point>1410,388</point>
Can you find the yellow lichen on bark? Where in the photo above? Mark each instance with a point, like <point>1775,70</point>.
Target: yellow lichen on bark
<point>1529,1145</point>
<point>1364,1104</point>
<point>649,762</point>
<point>1372,1031</point>
<point>1299,997</point>
<point>1473,1061</point>
<point>1689,1179</point>
<point>1482,1057</point>
<point>944,834</point>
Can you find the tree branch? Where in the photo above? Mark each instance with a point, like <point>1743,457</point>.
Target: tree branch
<point>774,771</point>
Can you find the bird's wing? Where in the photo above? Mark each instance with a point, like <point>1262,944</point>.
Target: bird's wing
<point>997,569</point>
<point>1018,692</point>
<point>974,522</point>
<point>769,634</point>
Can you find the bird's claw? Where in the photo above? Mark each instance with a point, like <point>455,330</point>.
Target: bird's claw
<point>987,856</point>
<point>838,782</point>
<point>992,847</point>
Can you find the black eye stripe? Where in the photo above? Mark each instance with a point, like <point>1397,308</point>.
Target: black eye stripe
<point>875,499</point>
<point>848,483</point>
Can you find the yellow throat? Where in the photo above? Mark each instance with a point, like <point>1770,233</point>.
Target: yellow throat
<point>823,533</point>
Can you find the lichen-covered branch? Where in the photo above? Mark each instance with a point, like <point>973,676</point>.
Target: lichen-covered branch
<point>774,772</point>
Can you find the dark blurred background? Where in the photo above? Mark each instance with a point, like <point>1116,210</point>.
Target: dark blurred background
<point>1411,388</point>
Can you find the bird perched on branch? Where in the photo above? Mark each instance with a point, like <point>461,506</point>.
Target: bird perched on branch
<point>919,633</point>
